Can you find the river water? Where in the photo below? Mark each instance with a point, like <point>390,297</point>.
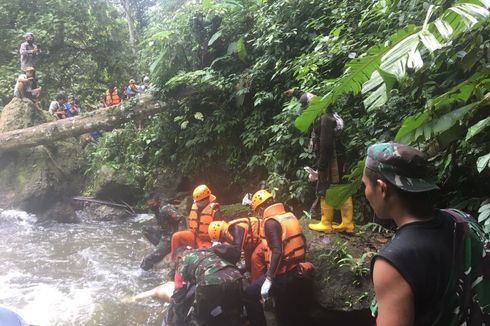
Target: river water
<point>76,274</point>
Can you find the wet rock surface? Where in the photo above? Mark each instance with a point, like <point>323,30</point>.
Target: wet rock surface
<point>41,179</point>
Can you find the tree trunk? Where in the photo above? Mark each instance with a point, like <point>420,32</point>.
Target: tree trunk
<point>106,119</point>
<point>133,37</point>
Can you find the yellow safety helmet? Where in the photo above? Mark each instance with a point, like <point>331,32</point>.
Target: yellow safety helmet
<point>215,229</point>
<point>201,192</point>
<point>260,197</point>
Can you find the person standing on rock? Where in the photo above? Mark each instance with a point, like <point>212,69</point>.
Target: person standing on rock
<point>168,221</point>
<point>330,153</point>
<point>285,280</point>
<point>28,52</point>
<point>204,210</point>
<point>436,269</point>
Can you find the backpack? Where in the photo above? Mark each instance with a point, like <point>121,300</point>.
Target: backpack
<point>470,304</point>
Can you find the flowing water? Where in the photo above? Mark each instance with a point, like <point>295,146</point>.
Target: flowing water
<point>76,274</point>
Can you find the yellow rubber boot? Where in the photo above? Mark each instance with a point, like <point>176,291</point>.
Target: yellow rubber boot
<point>325,224</point>
<point>347,212</point>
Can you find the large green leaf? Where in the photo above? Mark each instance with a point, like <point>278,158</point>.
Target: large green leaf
<point>477,128</point>
<point>431,126</point>
<point>358,72</point>
<point>433,36</point>
<point>461,92</point>
<point>483,162</point>
<point>337,194</point>
<point>242,51</point>
<point>410,124</point>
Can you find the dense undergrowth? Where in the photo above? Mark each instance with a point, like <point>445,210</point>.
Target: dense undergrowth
<point>395,70</point>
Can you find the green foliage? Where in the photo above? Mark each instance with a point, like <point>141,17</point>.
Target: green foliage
<point>394,70</point>
<point>82,49</point>
<point>358,266</point>
<point>484,217</point>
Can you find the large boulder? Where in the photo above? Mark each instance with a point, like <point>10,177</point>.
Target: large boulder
<point>19,114</point>
<point>116,186</point>
<point>42,179</point>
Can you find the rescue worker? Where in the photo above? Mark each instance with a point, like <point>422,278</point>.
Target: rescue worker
<point>217,284</point>
<point>285,280</point>
<point>168,221</point>
<point>204,210</point>
<point>330,153</point>
<point>244,235</point>
<point>111,96</point>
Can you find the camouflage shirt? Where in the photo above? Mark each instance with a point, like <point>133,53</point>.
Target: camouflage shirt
<point>169,220</point>
<point>203,267</point>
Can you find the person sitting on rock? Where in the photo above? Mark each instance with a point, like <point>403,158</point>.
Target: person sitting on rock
<point>71,107</point>
<point>27,88</point>
<point>204,211</point>
<point>168,221</point>
<point>56,108</point>
<point>132,89</point>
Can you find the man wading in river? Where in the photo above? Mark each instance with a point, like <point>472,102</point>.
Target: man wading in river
<point>436,270</point>
<point>168,221</point>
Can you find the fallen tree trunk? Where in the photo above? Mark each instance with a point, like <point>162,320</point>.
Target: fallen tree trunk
<point>106,119</point>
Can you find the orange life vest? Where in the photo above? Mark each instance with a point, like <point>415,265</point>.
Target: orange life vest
<point>252,227</point>
<point>112,98</point>
<point>199,222</point>
<point>293,240</point>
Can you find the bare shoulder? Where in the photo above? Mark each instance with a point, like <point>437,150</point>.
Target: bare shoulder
<point>393,294</point>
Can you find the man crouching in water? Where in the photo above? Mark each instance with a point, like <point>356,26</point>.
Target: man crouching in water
<point>218,288</point>
<point>168,221</point>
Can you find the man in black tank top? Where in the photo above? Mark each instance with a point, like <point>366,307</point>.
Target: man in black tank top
<point>411,274</point>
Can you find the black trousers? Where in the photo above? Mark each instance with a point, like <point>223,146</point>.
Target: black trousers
<point>293,298</point>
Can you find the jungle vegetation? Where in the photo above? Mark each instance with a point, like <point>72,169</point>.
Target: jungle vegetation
<point>415,72</point>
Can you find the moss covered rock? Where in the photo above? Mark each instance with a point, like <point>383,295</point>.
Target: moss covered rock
<point>39,179</point>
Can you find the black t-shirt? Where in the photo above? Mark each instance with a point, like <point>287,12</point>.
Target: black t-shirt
<point>422,252</point>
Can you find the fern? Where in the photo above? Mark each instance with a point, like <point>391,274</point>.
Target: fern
<point>374,73</point>
<point>431,37</point>
<point>357,73</point>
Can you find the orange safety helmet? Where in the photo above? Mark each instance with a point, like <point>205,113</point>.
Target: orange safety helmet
<point>260,197</point>
<point>201,192</point>
<point>215,230</point>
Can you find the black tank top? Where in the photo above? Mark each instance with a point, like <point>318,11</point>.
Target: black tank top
<point>422,252</point>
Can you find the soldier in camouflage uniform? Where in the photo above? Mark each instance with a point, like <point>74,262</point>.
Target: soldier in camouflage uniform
<point>218,289</point>
<point>168,222</point>
<point>436,269</point>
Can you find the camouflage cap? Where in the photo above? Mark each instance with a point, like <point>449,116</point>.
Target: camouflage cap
<point>403,166</point>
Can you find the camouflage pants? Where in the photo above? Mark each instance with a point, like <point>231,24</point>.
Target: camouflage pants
<point>218,305</point>
<point>154,234</point>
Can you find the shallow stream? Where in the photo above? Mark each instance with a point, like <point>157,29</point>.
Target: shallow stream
<point>76,274</point>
